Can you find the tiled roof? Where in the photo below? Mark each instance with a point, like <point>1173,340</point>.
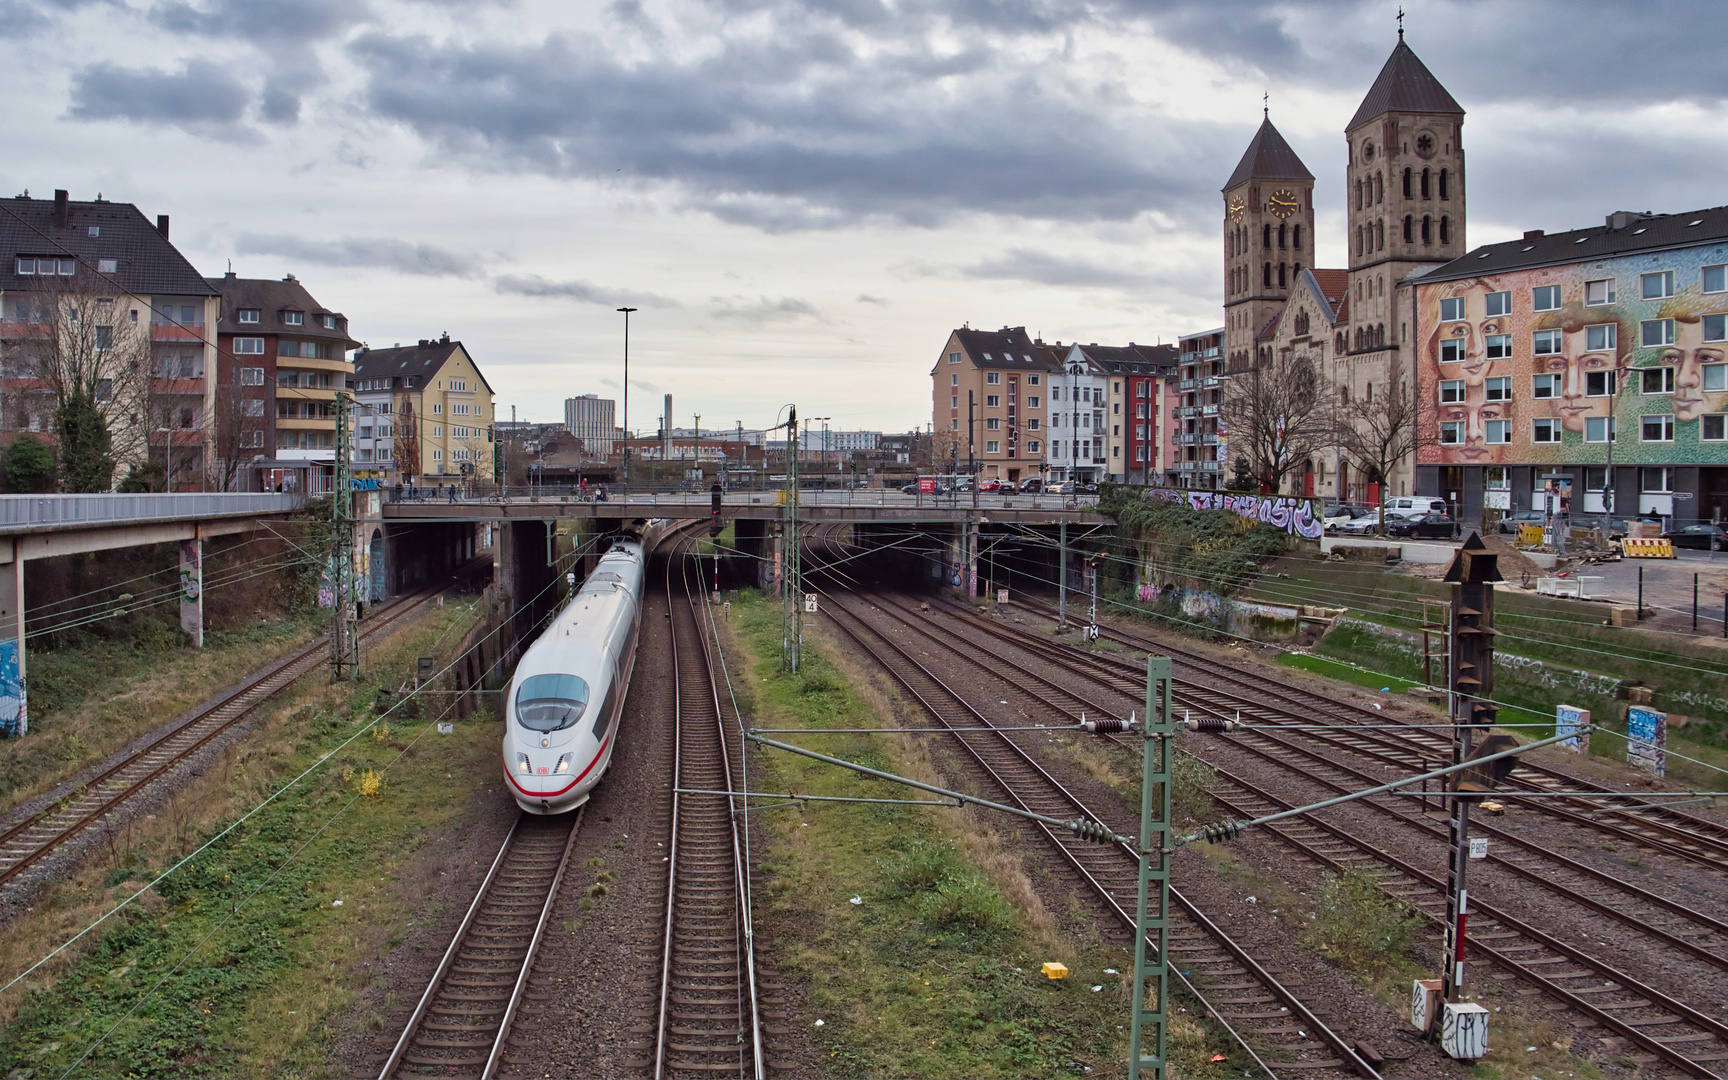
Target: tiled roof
<point>1334,285</point>
<point>1405,85</point>
<point>1009,347</point>
<point>423,360</point>
<point>1268,157</point>
<point>146,263</point>
<point>1132,358</point>
<point>1637,232</point>
<point>270,299</point>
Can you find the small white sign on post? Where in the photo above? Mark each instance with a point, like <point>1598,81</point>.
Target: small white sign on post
<point>445,728</point>
<point>1478,847</point>
<point>1001,596</point>
<point>810,603</point>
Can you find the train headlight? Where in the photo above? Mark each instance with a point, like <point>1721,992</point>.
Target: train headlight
<point>522,763</point>
<point>563,763</point>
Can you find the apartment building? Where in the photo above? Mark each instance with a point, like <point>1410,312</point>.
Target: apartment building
<point>591,418</point>
<point>989,402</point>
<point>1197,448</point>
<point>282,357</point>
<point>426,414</point>
<point>94,294</point>
<point>1591,363</point>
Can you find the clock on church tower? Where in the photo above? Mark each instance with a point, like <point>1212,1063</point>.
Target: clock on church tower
<point>1283,203</point>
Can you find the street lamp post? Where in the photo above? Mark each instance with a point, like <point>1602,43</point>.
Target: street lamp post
<point>1074,371</point>
<point>626,424</point>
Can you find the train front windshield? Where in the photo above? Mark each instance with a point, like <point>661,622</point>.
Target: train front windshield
<point>551,702</point>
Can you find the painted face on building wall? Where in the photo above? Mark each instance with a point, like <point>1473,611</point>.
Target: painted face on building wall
<point>1576,404</point>
<point>1689,356</point>
<point>1476,413</point>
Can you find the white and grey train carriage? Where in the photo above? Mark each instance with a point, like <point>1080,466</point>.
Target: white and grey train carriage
<point>561,715</point>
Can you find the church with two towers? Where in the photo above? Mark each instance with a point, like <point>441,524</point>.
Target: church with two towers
<point>1404,190</point>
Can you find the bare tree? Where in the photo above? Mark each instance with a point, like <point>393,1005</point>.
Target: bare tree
<point>239,421</point>
<point>406,441</point>
<point>1377,433</point>
<point>1276,417</point>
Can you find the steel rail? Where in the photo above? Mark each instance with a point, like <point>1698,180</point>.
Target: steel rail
<point>238,704</point>
<point>1348,1057</point>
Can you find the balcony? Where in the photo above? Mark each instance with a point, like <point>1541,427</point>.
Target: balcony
<point>190,387</point>
<point>1211,382</point>
<point>1207,410</point>
<point>174,332</point>
<point>1186,385</point>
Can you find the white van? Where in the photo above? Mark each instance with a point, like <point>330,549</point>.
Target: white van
<point>1413,506</point>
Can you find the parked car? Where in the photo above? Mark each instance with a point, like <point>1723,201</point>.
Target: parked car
<point>1088,489</point>
<point>1338,515</point>
<point>990,486</point>
<point>1067,487</point>
<point>1510,524</point>
<point>1426,527</point>
<point>1032,486</point>
<point>1708,536</point>
<point>1414,506</point>
<point>1362,526</point>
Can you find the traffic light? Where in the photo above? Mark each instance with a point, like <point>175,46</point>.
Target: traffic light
<point>715,496</point>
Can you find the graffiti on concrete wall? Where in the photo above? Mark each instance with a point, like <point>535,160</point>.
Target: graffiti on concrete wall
<point>1293,514</point>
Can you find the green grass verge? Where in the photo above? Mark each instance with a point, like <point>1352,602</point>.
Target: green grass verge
<point>233,963</point>
<point>934,973</point>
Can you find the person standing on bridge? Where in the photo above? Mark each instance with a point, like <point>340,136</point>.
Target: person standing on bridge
<point>452,492</point>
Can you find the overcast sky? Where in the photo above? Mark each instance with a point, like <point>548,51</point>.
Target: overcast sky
<point>803,198</point>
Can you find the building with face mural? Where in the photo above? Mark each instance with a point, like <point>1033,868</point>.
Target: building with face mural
<point>1592,362</point>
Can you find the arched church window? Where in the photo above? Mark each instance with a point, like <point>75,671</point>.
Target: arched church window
<point>1283,236</point>
<point>1406,183</point>
<point>1296,236</point>
<point>1380,234</point>
<point>1266,235</point>
<point>1283,281</point>
<point>1379,189</point>
<point>1445,230</point>
<point>1266,273</point>
<point>1409,224</point>
<point>1445,190</point>
<point>1425,183</point>
<point>1338,345</point>
<point>1427,229</point>
<point>1358,194</point>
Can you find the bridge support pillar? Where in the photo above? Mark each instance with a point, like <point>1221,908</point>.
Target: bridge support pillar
<point>192,590</point>
<point>970,530</point>
<point>14,714</point>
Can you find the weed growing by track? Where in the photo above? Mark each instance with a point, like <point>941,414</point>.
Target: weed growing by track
<point>933,971</point>
<point>236,962</point>
<point>1358,925</point>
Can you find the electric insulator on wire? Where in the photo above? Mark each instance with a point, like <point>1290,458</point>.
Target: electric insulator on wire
<point>1220,831</point>
<point>1095,831</point>
<point>1106,727</point>
<point>1209,723</point>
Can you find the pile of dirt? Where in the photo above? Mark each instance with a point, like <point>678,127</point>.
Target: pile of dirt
<point>1515,566</point>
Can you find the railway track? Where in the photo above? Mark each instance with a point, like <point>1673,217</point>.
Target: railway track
<point>1660,1024</point>
<point>1271,1021</point>
<point>1700,840</point>
<point>39,835</point>
<point>462,1022</point>
<point>709,1020</point>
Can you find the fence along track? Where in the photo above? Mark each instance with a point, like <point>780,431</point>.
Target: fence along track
<point>1673,924</point>
<point>1688,836</point>
<point>462,1020</point>
<point>1268,1018</point>
<point>37,836</point>
<point>709,1015</point>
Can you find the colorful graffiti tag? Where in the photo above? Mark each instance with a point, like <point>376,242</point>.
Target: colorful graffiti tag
<point>1294,515</point>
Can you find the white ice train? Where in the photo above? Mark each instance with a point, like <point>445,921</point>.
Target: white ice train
<point>561,715</point>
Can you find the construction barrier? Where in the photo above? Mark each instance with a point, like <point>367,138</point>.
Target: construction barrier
<point>1634,548</point>
<point>1530,534</point>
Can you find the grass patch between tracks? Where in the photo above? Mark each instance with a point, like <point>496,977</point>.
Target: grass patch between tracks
<point>934,972</point>
<point>258,976</point>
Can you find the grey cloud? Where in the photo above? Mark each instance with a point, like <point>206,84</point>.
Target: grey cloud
<point>866,298</point>
<point>580,291</point>
<point>274,21</point>
<point>764,309</point>
<point>1043,268</point>
<point>794,133</point>
<point>384,252</point>
<point>201,97</point>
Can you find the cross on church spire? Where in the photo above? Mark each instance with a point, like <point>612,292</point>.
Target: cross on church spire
<point>1400,24</point>
<point>1266,106</point>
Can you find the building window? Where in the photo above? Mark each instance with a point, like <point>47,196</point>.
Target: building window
<point>954,401</point>
<point>1716,328</point>
<point>992,401</point>
<point>954,424</point>
<point>1603,337</point>
<point>954,379</point>
<point>953,358</point>
<point>1600,384</point>
<point>1498,431</point>
<point>104,338</point>
<point>993,424</point>
<point>1654,332</point>
<point>1498,346</point>
<point>993,378</point>
<point>1452,309</point>
<point>437,455</point>
<point>437,407</point>
<point>1657,286</point>
<point>1451,391</point>
<point>1656,429</point>
<point>1713,427</point>
<point>1654,481</point>
<point>1597,293</point>
<point>1451,350</point>
<point>1545,386</point>
<point>1498,389</point>
<point>1451,432</point>
<point>1715,278</point>
<point>1657,380</point>
<point>1032,401</point>
<point>251,376</point>
<point>1032,424</point>
<point>1598,429</point>
<point>1546,342</point>
<point>107,266</point>
<point>1545,431</point>
<point>247,315</point>
<point>294,318</point>
<point>1032,447</point>
<point>1031,380</point>
<point>1545,298</point>
<point>1497,303</point>
<point>327,321</point>
<point>992,447</point>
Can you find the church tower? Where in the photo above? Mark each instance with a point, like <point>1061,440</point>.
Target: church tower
<point>1405,195</point>
<point>1268,239</point>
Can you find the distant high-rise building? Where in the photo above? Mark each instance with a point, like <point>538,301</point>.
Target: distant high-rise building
<point>590,418</point>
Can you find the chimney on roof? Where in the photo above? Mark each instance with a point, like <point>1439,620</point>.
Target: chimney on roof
<point>1621,219</point>
<point>445,340</point>
<point>162,225</point>
<point>290,279</point>
<point>425,342</point>
<point>1534,234</point>
<point>60,207</point>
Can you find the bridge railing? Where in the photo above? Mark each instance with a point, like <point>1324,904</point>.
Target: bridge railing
<point>684,496</point>
<point>19,513</point>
